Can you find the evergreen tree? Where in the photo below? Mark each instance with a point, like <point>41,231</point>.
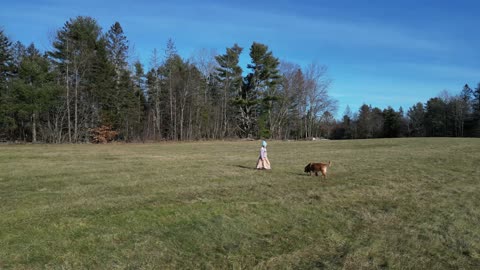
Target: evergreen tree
<point>476,111</point>
<point>391,126</point>
<point>416,116</point>
<point>170,72</point>
<point>370,122</point>
<point>129,95</point>
<point>6,59</point>
<point>258,91</point>
<point>18,52</point>
<point>377,122</point>
<point>139,97</point>
<point>436,117</point>
<point>75,53</point>
<point>7,122</point>
<point>365,122</point>
<point>347,122</point>
<point>466,94</point>
<point>154,102</point>
<point>476,99</point>
<point>403,129</point>
<point>117,49</point>
<point>126,106</point>
<point>106,84</point>
<point>229,77</point>
<point>154,93</point>
<point>35,92</point>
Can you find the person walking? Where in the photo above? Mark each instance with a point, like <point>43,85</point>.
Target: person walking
<point>263,163</point>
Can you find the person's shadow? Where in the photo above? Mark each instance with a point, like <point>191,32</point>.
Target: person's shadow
<point>245,167</point>
<point>253,168</point>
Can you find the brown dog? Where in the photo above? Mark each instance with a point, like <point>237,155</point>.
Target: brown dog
<point>318,167</point>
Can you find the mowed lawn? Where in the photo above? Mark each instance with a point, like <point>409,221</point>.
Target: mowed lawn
<point>387,204</point>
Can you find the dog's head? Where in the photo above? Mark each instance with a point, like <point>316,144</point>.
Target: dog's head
<point>307,168</point>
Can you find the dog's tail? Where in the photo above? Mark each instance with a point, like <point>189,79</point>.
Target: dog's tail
<point>329,163</point>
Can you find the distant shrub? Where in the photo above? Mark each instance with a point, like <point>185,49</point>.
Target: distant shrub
<point>102,134</point>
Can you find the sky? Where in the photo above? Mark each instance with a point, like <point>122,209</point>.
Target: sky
<point>379,53</point>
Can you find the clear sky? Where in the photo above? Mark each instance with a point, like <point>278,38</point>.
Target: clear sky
<point>378,52</point>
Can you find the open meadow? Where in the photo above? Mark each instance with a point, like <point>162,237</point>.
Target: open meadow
<point>387,204</point>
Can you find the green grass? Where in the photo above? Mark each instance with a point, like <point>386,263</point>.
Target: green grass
<point>387,204</point>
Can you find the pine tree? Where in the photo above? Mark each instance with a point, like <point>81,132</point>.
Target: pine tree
<point>34,90</point>
<point>170,74</point>
<point>391,126</point>
<point>466,94</point>
<point>75,52</point>
<point>258,91</point>
<point>117,49</point>
<point>436,117</point>
<point>365,122</point>
<point>463,111</point>
<point>7,122</point>
<point>347,122</point>
<point>476,111</point>
<point>153,95</point>
<point>139,97</point>
<point>416,116</point>
<point>476,101</point>
<point>6,59</point>
<point>127,90</point>
<point>229,77</point>
<point>18,52</point>
<point>106,87</point>
<point>155,111</point>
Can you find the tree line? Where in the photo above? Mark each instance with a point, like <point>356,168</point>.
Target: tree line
<point>86,89</point>
<point>86,83</point>
<point>444,116</point>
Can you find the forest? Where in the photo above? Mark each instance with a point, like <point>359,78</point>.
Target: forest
<point>86,89</point>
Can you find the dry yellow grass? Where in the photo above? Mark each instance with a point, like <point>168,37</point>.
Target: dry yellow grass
<point>400,203</point>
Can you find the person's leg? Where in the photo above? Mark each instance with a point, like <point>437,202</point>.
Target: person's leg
<point>259,164</point>
<point>267,164</point>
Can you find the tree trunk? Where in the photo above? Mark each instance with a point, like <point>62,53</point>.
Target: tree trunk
<point>224,116</point>
<point>158,119</point>
<point>190,129</point>
<point>68,105</point>
<point>126,133</point>
<point>34,128</point>
<point>75,133</point>
<point>181,121</point>
<point>170,91</point>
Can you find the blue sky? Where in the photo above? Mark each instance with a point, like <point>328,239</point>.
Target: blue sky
<point>381,53</point>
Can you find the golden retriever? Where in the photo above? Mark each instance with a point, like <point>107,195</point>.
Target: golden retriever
<point>318,167</point>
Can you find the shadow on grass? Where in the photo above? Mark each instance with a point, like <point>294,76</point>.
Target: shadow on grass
<point>253,168</point>
<point>298,174</point>
<point>245,167</point>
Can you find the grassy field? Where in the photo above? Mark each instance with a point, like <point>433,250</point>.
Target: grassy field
<point>387,204</point>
